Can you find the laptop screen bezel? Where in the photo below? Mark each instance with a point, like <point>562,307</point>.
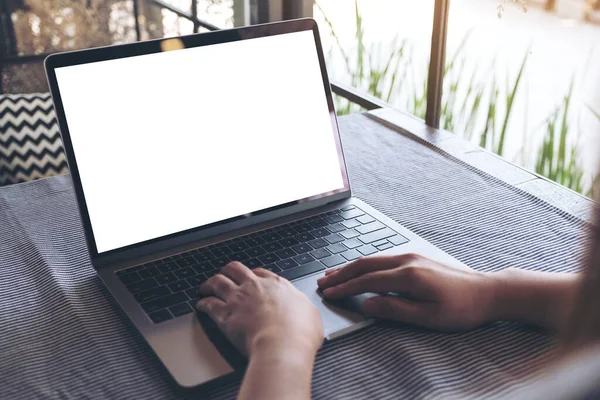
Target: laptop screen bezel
<point>156,46</point>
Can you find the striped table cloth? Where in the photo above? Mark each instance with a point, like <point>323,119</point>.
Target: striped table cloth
<point>62,336</point>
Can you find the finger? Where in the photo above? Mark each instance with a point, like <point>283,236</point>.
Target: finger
<point>219,286</point>
<point>263,273</point>
<point>360,267</point>
<point>397,309</point>
<point>237,272</point>
<point>375,282</point>
<point>214,307</point>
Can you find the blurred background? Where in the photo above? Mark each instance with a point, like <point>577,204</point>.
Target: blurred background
<point>522,78</point>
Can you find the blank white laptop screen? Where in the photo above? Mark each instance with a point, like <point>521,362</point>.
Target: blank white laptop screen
<point>171,141</point>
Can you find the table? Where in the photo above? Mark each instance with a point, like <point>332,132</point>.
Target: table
<point>62,336</point>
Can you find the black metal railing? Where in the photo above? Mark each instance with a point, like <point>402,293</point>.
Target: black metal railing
<point>8,42</point>
<point>8,54</point>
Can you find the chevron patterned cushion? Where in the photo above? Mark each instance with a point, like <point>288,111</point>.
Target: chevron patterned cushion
<point>30,144</point>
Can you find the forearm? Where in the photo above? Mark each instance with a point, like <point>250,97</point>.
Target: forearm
<point>542,299</point>
<point>278,372</point>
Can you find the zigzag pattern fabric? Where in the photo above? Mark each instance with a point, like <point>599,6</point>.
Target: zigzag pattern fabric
<point>30,143</point>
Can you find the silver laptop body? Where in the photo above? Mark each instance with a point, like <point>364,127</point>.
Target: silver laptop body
<point>180,145</point>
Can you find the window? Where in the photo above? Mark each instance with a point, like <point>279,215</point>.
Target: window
<point>523,82</point>
<point>380,47</point>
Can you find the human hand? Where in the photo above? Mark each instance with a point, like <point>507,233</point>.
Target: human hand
<point>430,294</point>
<point>257,309</point>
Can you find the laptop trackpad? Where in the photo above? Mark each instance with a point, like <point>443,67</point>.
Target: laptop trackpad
<point>339,317</point>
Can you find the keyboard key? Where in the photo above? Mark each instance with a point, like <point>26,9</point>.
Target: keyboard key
<point>185,262</point>
<point>318,243</point>
<point>179,286</point>
<point>185,273</point>
<point>145,274</point>
<point>168,267</point>
<point>130,278</point>
<point>320,232</point>
<point>334,238</point>
<point>124,272</point>
<point>160,316</point>
<point>239,246</point>
<point>180,309</point>
<point>164,302</point>
<point>385,246</point>
<point>271,237</point>
<point>255,241</point>
<point>153,271</point>
<point>332,219</point>
<point>194,293</point>
<point>224,243</point>
<point>285,253</point>
<point>152,294</point>
<point>348,208</point>
<point>398,240</point>
<point>203,256</point>
<point>253,263</point>
<point>304,237</point>
<point>142,285</point>
<point>220,251</point>
<point>351,223</point>
<point>256,251</point>
<point>304,259</point>
<point>220,262</point>
<point>351,255</point>
<point>212,273</point>
<point>302,270</point>
<point>357,212</point>
<point>286,231</point>
<point>320,253</point>
<point>166,278</point>
<point>365,219</point>
<point>333,261</point>
<point>287,264</point>
<point>303,228</point>
<point>318,223</point>
<point>337,248</point>
<point>352,243</point>
<point>377,235</point>
<point>200,268</point>
<point>274,246</point>
<point>240,256</point>
<point>379,242</point>
<point>288,242</point>
<point>367,250</point>
<point>196,280</point>
<point>371,227</point>
<point>302,248</point>
<point>273,268</point>
<point>335,228</point>
<point>269,258</point>
<point>350,233</point>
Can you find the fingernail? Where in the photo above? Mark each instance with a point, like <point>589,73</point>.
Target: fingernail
<point>321,280</point>
<point>199,305</point>
<point>328,291</point>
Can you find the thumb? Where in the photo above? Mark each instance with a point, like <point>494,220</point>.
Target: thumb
<point>396,309</point>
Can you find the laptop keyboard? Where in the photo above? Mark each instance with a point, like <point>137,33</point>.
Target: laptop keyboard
<point>169,288</point>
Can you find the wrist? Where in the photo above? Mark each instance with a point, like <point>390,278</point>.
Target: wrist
<point>290,345</point>
<point>537,298</point>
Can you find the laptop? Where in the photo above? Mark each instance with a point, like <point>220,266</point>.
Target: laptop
<point>191,152</point>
